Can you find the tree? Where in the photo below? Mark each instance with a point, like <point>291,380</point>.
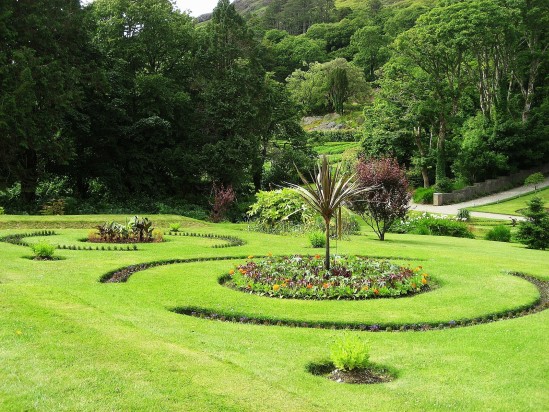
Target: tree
<point>534,179</point>
<point>40,89</point>
<point>312,89</point>
<point>534,232</point>
<point>371,49</point>
<point>388,199</point>
<point>338,91</point>
<point>327,192</point>
<point>141,111</point>
<point>227,98</point>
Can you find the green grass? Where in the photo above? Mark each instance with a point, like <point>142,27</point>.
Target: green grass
<point>335,150</point>
<point>513,206</point>
<point>69,342</point>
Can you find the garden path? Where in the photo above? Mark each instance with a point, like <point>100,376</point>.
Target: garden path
<point>493,198</point>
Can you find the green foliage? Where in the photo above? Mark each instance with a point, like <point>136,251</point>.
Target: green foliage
<point>135,230</point>
<point>350,353</point>
<point>534,179</point>
<point>424,195</point>
<point>463,215</point>
<point>296,16</point>
<point>443,227</point>
<point>338,89</point>
<point>273,207</point>
<point>312,88</point>
<point>55,207</point>
<point>534,232</point>
<point>289,53</point>
<point>43,250</point>
<point>317,239</point>
<point>328,191</point>
<point>174,227</point>
<point>1,210</point>
<point>500,233</point>
<point>434,225</point>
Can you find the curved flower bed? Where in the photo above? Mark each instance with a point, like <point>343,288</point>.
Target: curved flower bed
<point>304,277</point>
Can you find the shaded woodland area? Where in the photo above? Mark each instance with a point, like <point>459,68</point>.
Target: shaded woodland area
<point>133,103</point>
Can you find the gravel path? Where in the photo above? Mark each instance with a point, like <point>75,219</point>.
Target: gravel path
<point>493,198</point>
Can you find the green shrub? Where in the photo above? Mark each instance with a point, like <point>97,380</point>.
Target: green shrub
<point>500,233</point>
<point>174,227</point>
<point>427,224</point>
<point>424,195</point>
<point>445,185</point>
<point>317,239</point>
<point>349,353</point>
<point>445,227</point>
<point>276,206</point>
<point>1,210</point>
<point>463,215</point>
<point>55,207</point>
<point>534,232</point>
<point>43,250</point>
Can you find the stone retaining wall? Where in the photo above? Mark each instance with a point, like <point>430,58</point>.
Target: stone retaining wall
<point>487,187</point>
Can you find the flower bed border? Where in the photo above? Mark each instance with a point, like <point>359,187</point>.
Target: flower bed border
<point>233,241</point>
<point>542,303</point>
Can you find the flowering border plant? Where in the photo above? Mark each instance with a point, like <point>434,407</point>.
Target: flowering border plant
<point>349,277</point>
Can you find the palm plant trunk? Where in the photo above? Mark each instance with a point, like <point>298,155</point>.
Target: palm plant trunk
<point>327,258</point>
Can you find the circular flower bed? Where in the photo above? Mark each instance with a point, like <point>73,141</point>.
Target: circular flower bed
<point>304,277</point>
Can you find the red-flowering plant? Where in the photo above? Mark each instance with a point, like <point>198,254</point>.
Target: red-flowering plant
<point>388,200</point>
<point>223,198</point>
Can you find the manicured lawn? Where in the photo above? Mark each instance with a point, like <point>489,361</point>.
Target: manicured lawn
<point>69,342</point>
<point>513,206</point>
<point>334,150</point>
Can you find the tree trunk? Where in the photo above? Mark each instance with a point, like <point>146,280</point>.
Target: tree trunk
<point>424,172</point>
<point>441,156</point>
<point>327,258</point>
<point>29,180</point>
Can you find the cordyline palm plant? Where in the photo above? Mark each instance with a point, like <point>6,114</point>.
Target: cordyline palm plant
<point>327,192</point>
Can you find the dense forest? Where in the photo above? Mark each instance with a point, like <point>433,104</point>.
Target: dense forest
<point>125,104</point>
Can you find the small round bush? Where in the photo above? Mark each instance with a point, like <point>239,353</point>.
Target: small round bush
<point>174,227</point>
<point>317,239</point>
<point>424,195</point>
<point>349,353</point>
<point>43,250</point>
<point>499,233</point>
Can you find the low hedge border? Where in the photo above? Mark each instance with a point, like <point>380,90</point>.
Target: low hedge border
<point>541,304</point>
<point>232,240</point>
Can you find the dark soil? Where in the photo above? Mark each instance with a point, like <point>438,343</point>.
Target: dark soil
<point>361,376</point>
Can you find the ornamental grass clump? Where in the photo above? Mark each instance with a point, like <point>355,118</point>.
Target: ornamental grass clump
<point>305,277</point>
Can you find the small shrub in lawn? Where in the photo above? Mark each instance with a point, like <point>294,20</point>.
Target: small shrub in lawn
<point>174,227</point>
<point>500,233</point>
<point>317,239</point>
<point>349,353</point>
<point>1,210</point>
<point>424,195</point>
<point>157,235</point>
<point>534,232</point>
<point>435,225</point>
<point>43,250</point>
<point>463,215</point>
